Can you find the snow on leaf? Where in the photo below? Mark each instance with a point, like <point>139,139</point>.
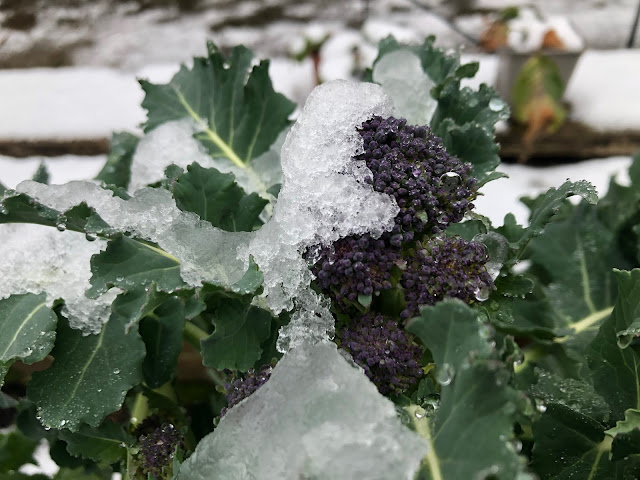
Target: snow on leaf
<point>237,112</point>
<point>319,417</point>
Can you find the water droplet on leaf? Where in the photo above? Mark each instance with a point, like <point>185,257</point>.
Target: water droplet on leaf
<point>444,375</point>
<point>495,104</point>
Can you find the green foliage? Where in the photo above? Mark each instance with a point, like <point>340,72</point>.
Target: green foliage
<point>106,443</point>
<point>127,264</point>
<point>466,369</point>
<point>90,375</point>
<point>15,450</point>
<point>27,329</point>
<point>216,198</point>
<point>117,169</point>
<point>236,110</point>
<point>240,329</point>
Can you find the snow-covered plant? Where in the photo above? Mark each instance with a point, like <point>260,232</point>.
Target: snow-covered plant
<point>237,297</point>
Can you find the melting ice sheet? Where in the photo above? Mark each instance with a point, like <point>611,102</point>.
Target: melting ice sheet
<point>317,417</point>
<point>38,259</point>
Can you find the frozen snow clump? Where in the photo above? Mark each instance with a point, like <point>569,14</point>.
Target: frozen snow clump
<point>205,253</point>
<point>323,197</point>
<point>317,417</point>
<point>173,143</point>
<point>38,259</point>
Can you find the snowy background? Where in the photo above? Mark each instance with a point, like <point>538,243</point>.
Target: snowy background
<point>68,68</point>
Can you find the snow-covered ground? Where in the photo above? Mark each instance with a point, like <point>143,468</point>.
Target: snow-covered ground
<point>86,103</point>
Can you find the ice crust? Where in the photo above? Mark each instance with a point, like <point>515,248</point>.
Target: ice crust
<point>400,72</point>
<point>323,197</point>
<point>317,417</point>
<point>205,253</point>
<point>173,143</point>
<point>37,259</point>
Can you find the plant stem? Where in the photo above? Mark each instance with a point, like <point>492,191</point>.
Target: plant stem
<point>140,409</point>
<point>193,334</point>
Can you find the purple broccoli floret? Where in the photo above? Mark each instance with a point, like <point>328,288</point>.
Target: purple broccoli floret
<point>432,188</point>
<point>444,267</point>
<point>387,353</point>
<point>156,450</point>
<point>356,265</point>
<point>242,387</point>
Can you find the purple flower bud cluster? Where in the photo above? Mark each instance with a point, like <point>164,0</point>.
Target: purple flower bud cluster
<point>242,387</point>
<point>356,265</point>
<point>444,267</point>
<point>432,188</point>
<point>386,353</point>
<point>156,450</point>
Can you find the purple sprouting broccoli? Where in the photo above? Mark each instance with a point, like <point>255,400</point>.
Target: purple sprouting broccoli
<point>432,188</point>
<point>242,387</point>
<point>356,265</point>
<point>387,353</point>
<point>156,451</point>
<point>444,267</point>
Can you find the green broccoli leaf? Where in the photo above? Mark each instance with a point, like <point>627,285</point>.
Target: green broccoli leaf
<point>105,443</point>
<point>570,445</point>
<point>27,329</point>
<point>127,264</point>
<point>578,395</point>
<point>240,329</point>
<point>90,375</point>
<point>471,431</point>
<point>161,331</point>
<point>42,174</point>
<point>626,436</point>
<point>471,143</point>
<point>234,106</point>
<point>577,256</point>
<point>216,198</point>
<point>15,451</point>
<point>117,169</point>
<point>615,370</point>
<point>449,319</point>
<point>543,210</point>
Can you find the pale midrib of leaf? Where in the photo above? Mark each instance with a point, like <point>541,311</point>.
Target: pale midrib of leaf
<point>602,447</point>
<point>226,149</point>
<point>584,274</point>
<point>26,320</point>
<point>163,253</point>
<point>421,423</point>
<point>586,323</point>
<point>86,366</point>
